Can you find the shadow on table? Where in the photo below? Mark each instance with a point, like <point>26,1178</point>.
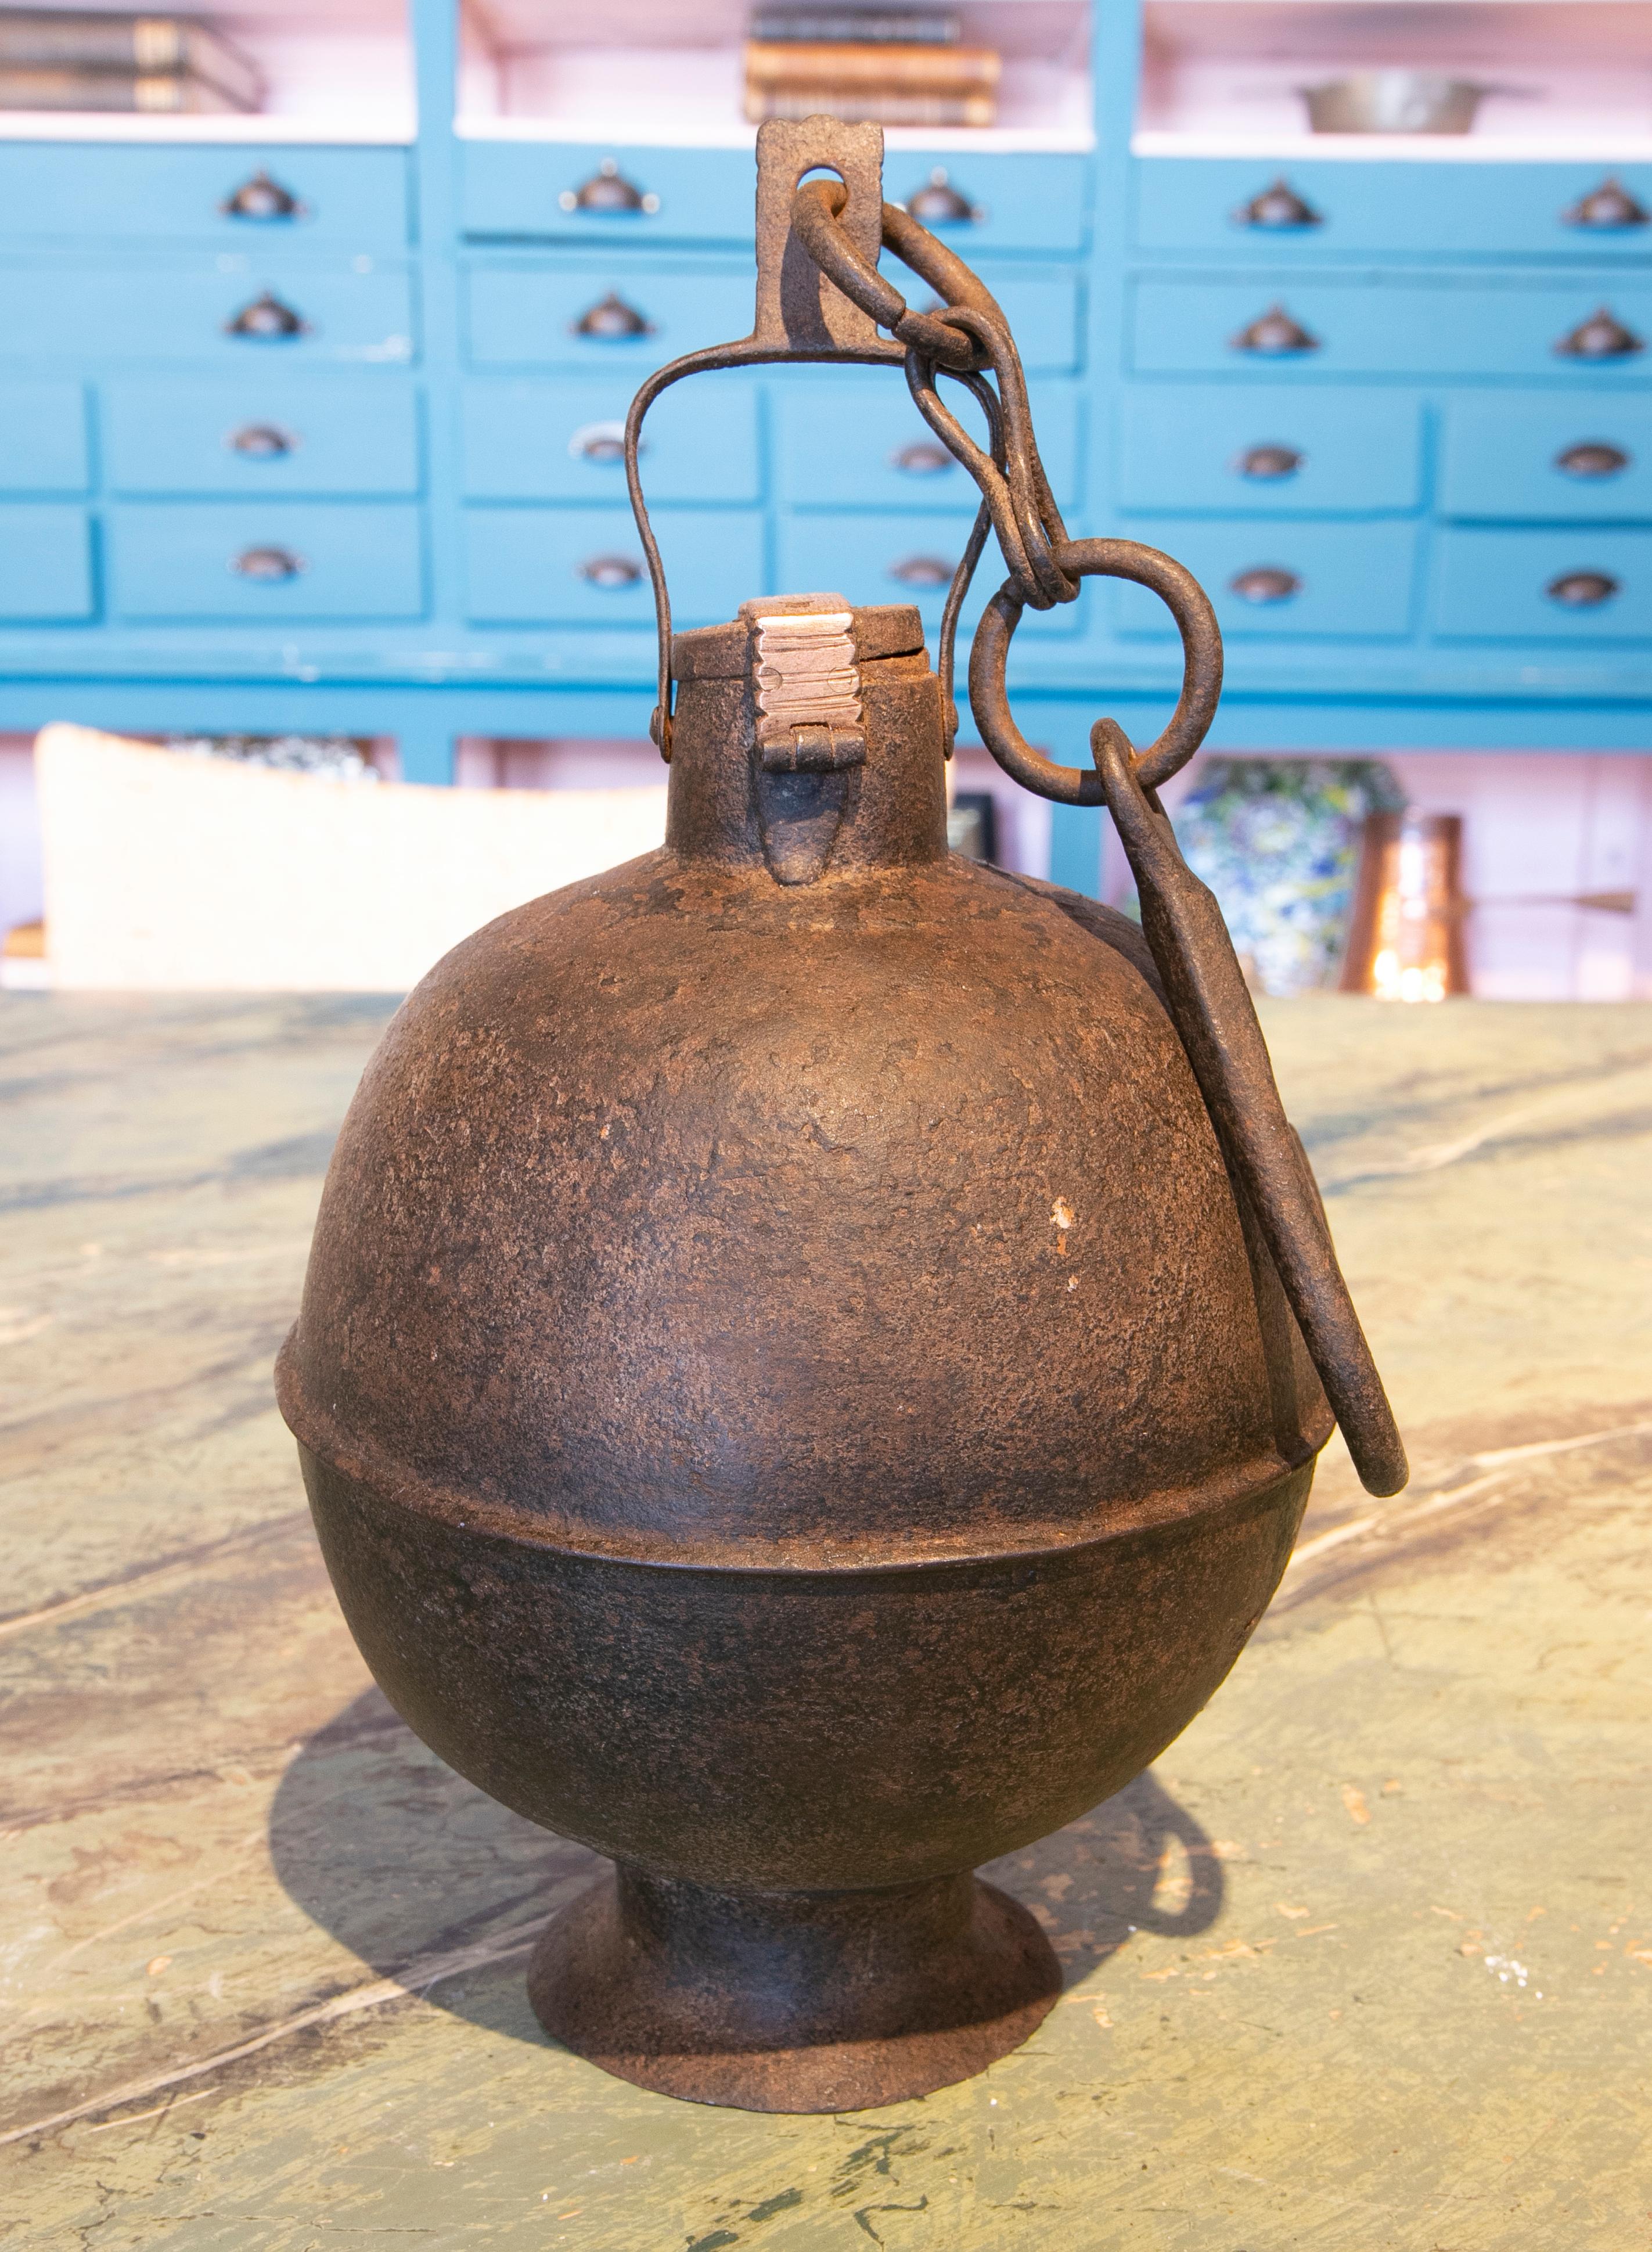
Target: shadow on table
<point>407,1865</point>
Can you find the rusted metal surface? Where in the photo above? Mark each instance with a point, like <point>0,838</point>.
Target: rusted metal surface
<point>797,1380</point>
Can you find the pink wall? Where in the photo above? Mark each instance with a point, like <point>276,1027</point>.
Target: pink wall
<point>1548,822</point>
<point>1533,822</point>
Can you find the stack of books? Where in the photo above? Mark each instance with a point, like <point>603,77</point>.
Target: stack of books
<point>54,59</point>
<point>904,67</point>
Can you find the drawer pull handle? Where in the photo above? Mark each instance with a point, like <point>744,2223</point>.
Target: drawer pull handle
<point>263,200</point>
<point>1601,337</point>
<point>922,570</point>
<point>938,204</point>
<point>1608,207</point>
<point>611,572</point>
<point>1278,207</point>
<point>1582,590</point>
<point>262,441</point>
<point>609,193</point>
<point>611,320</point>
<point>266,320</point>
<point>269,566</point>
<point>601,441</point>
<point>1594,457</point>
<point>1274,335</point>
<point>1266,464</point>
<point>1266,583</point>
<point>922,459</point>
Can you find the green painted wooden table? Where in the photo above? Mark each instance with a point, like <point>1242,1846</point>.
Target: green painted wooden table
<point>1365,1962</point>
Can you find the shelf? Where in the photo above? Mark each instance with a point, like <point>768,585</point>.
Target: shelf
<point>263,131</point>
<point>671,74</point>
<point>631,126</point>
<point>1599,148</point>
<point>337,73</point>
<point>1564,79</point>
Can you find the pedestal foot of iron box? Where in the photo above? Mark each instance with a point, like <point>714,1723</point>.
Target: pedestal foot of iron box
<point>793,2002</point>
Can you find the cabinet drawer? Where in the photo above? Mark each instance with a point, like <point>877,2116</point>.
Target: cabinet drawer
<point>879,559</point>
<point>45,566</point>
<point>1588,461</point>
<point>1430,209</point>
<point>1512,586</point>
<point>581,566</point>
<point>186,312</point>
<point>638,313</point>
<point>264,439</point>
<point>862,441</point>
<point>560,440</point>
<point>518,316</point>
<point>347,198</point>
<point>515,189</point>
<point>1353,580</point>
<point>1212,446</point>
<point>261,565</point>
<point>1015,202</point>
<point>1375,325</point>
<point>42,437</point>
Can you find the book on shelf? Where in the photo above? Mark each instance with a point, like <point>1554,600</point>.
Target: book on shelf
<point>888,83</point>
<point>154,94</point>
<point>130,47</point>
<point>906,27</point>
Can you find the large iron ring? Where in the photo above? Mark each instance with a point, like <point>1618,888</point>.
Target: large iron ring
<point>1188,604</point>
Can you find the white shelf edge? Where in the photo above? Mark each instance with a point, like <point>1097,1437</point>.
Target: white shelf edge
<point>583,132</point>
<point>1400,148</point>
<point>233,131</point>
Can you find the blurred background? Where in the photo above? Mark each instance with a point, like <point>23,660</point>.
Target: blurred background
<point>323,628</point>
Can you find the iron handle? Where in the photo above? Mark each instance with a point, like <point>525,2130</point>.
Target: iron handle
<point>922,570</point>
<point>1279,209</point>
<point>612,320</point>
<point>1266,465</point>
<point>1592,457</point>
<point>923,458</point>
<point>269,567</point>
<point>1189,723</point>
<point>611,572</point>
<point>938,204</point>
<point>263,200</point>
<point>1207,1001</point>
<point>1606,208</point>
<point>267,320</point>
<point>608,193</point>
<point>1266,583</point>
<point>1582,590</point>
<point>1274,335</point>
<point>1601,337</point>
<point>262,441</point>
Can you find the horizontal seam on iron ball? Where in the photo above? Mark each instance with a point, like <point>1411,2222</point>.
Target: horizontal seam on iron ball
<point>391,1485</point>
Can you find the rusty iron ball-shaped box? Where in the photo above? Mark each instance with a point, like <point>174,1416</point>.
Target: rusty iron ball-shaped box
<point>792,1396</point>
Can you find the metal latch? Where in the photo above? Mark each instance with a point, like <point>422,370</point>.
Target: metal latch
<point>807,684</point>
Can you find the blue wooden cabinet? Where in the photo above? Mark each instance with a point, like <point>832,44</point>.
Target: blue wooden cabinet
<point>353,461</point>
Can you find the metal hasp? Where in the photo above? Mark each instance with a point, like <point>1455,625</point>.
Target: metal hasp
<point>806,1378</point>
